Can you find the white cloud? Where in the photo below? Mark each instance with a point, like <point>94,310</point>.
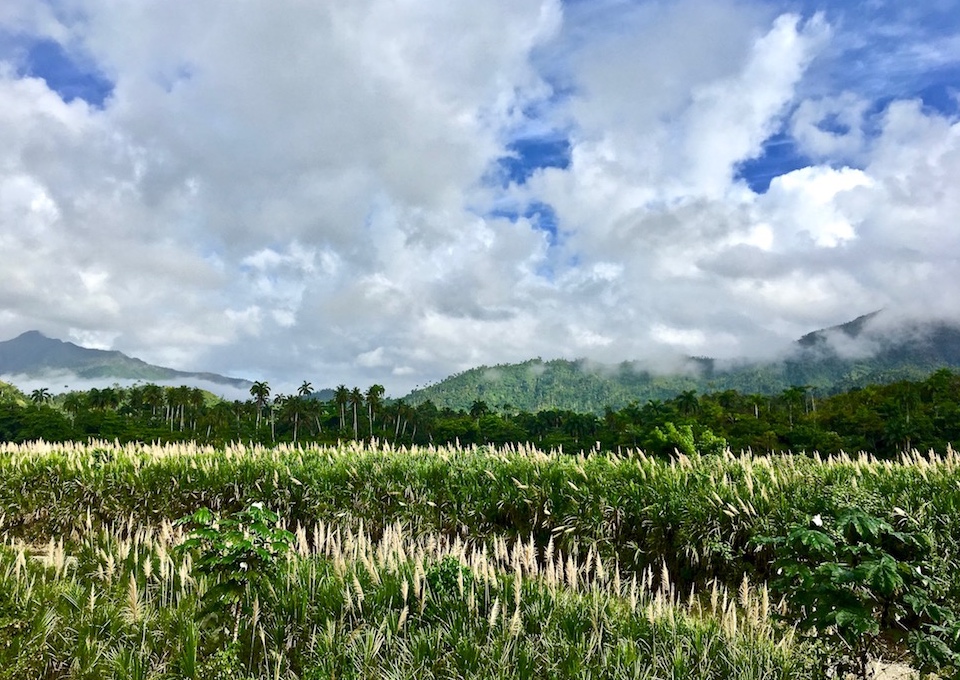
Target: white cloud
<point>830,127</point>
<point>806,205</point>
<point>298,190</point>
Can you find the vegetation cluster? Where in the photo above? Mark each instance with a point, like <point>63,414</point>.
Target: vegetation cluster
<point>881,419</point>
<point>293,561</point>
<point>289,536</point>
<point>129,602</point>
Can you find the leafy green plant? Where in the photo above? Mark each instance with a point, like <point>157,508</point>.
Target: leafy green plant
<point>683,439</point>
<point>449,578</point>
<point>242,552</point>
<point>851,579</point>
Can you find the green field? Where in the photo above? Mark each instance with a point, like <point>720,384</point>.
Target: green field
<point>449,562</point>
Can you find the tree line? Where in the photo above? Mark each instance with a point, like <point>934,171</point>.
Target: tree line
<point>881,419</point>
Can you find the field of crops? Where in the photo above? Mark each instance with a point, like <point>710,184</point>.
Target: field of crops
<point>446,562</point>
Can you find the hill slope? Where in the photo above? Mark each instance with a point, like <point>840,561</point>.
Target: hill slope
<point>35,355</point>
<point>870,349</point>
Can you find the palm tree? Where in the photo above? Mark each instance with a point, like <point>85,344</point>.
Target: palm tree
<point>196,401</point>
<point>73,402</point>
<point>239,410</point>
<point>278,402</point>
<point>402,412</point>
<point>478,409</point>
<point>153,397</point>
<point>305,389</point>
<point>687,402</point>
<point>181,397</point>
<point>98,399</point>
<point>40,395</point>
<point>374,399</point>
<point>260,391</point>
<point>294,405</point>
<point>341,397</point>
<point>356,401</point>
<point>217,418</point>
<point>794,395</point>
<point>316,408</point>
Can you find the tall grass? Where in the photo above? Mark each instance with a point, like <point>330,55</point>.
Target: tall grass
<point>121,602</point>
<point>698,515</point>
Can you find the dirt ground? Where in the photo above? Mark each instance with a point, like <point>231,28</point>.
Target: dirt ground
<point>893,671</point>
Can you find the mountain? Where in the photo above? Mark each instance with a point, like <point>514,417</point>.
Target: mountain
<point>35,355</point>
<point>871,349</point>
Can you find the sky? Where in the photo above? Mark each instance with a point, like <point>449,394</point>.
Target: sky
<point>392,191</point>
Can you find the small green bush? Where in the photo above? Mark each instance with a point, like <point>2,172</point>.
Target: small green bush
<point>242,552</point>
<point>852,578</point>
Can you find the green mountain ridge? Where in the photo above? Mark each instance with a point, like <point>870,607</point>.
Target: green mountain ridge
<point>33,354</point>
<point>860,352</point>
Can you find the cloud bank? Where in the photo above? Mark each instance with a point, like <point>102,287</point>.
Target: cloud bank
<point>316,191</point>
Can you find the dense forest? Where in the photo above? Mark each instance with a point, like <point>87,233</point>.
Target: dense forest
<point>882,419</point>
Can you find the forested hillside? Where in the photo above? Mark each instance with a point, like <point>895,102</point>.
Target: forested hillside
<point>830,361</point>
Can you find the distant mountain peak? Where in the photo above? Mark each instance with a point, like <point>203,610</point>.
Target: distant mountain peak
<point>851,329</point>
<point>878,347</point>
<point>35,355</point>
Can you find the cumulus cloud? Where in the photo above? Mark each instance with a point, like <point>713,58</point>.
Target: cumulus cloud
<point>309,190</point>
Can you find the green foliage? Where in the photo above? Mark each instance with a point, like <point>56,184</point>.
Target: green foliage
<point>242,552</point>
<point>325,612</point>
<point>852,578</point>
<point>885,420</point>
<point>670,438</point>
<point>448,578</point>
<point>360,611</point>
<point>223,664</point>
<point>586,386</point>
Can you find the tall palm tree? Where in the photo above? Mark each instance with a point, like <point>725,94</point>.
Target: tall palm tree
<point>316,408</point>
<point>687,402</point>
<point>196,400</point>
<point>98,399</point>
<point>478,409</point>
<point>341,397</point>
<point>260,391</point>
<point>217,418</point>
<point>795,395</point>
<point>356,401</point>
<point>73,402</point>
<point>278,402</point>
<point>293,406</point>
<point>40,395</point>
<point>182,396</point>
<point>305,389</point>
<point>374,399</point>
<point>153,397</point>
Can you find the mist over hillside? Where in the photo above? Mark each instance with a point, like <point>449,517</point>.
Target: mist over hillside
<point>32,359</point>
<point>874,348</point>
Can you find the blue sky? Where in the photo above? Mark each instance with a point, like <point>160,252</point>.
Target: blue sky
<point>365,191</point>
<point>68,75</point>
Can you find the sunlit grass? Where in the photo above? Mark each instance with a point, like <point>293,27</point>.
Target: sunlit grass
<point>697,514</point>
<point>607,565</point>
<point>123,603</point>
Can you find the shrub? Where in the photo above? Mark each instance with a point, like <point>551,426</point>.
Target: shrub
<point>852,578</point>
<point>241,552</point>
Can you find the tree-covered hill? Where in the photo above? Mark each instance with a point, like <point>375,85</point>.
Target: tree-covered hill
<point>859,353</point>
<point>10,394</point>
